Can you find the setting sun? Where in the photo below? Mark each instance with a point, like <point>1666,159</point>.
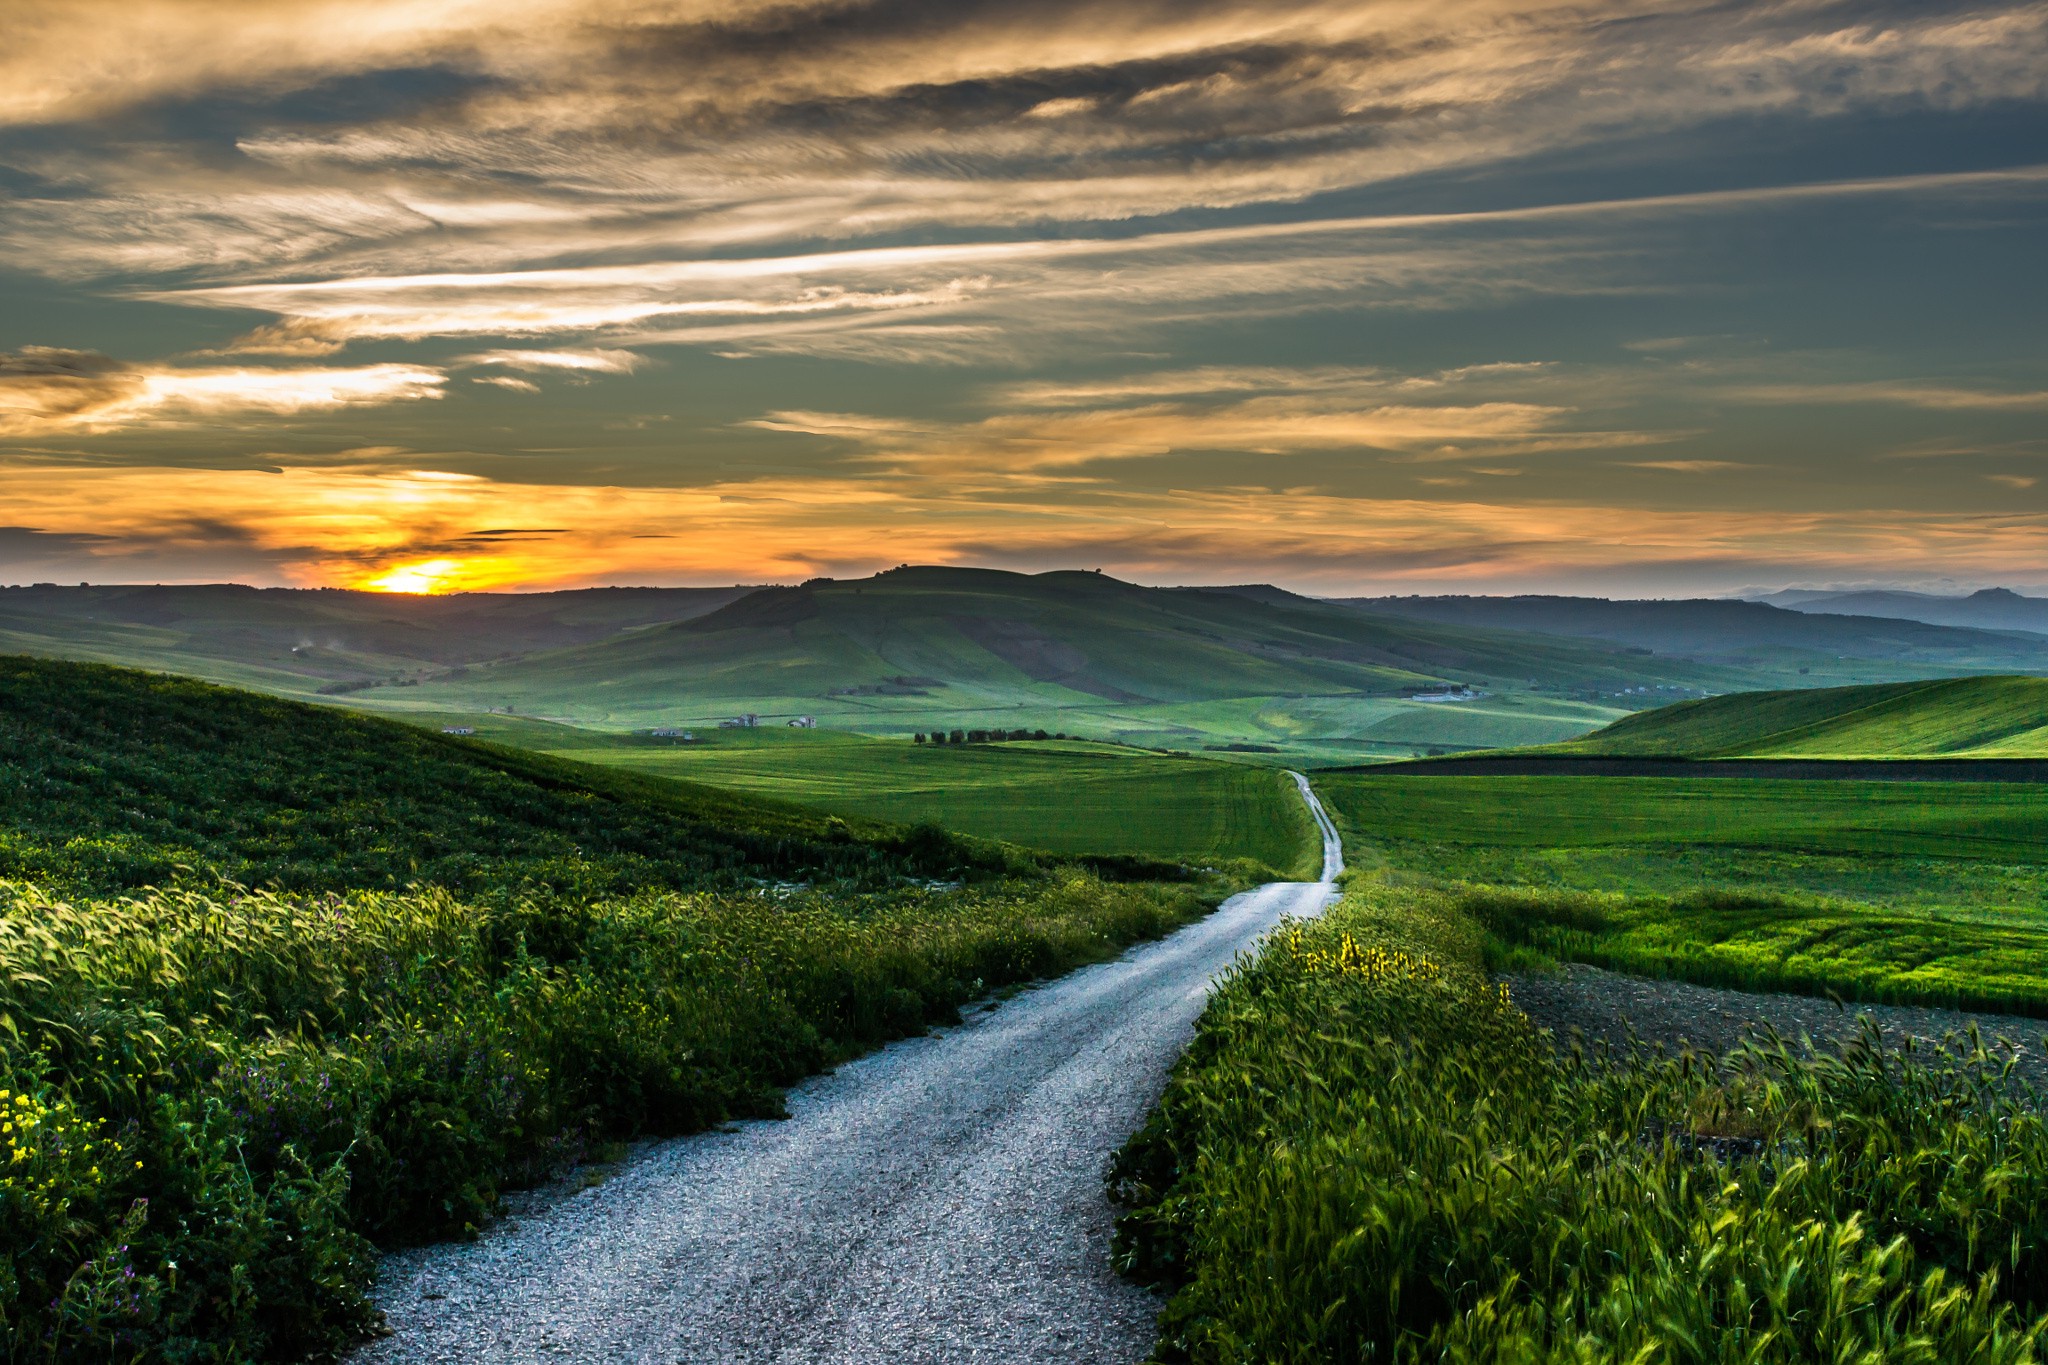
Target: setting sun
<point>429,576</point>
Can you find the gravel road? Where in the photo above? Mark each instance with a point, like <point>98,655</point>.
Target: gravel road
<point>937,1201</point>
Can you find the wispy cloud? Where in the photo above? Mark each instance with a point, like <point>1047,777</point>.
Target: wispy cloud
<point>1934,397</point>
<point>44,389</point>
<point>574,362</point>
<point>986,288</point>
<point>659,128</point>
<point>328,525</point>
<point>1339,417</point>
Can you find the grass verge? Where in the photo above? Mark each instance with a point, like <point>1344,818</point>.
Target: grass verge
<point>1369,1155</point>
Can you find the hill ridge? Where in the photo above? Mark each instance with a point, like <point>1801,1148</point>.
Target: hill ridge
<point>1990,716</point>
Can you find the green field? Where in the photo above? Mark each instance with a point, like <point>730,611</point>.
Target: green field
<point>1368,1154</point>
<point>1082,653</point>
<point>1988,821</point>
<point>1905,891</point>
<point>1987,717</point>
<point>1066,797</point>
<point>282,986</point>
<point>121,779</point>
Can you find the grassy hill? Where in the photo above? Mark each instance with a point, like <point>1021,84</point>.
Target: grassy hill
<point>1068,797</point>
<point>1994,717</point>
<point>120,779</point>
<point>328,641</point>
<point>921,648</point>
<point>461,968</point>
<point>1300,681</point>
<point>1769,645</point>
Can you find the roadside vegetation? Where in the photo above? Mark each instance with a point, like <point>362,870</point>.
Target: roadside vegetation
<point>461,969</point>
<point>1368,1154</point>
<point>1890,892</point>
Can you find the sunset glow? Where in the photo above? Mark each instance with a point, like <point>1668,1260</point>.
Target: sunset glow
<point>1486,294</point>
<point>427,577</point>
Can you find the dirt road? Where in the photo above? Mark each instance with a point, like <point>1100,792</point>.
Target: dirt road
<point>937,1201</point>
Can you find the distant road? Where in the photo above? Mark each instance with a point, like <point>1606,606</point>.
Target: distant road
<point>1333,847</point>
<point>938,1201</point>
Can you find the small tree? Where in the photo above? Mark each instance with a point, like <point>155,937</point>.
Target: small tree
<point>917,738</point>
<point>959,736</point>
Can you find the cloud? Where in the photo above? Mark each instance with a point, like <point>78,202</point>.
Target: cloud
<point>2013,480</point>
<point>991,298</point>
<point>506,381</point>
<point>1933,397</point>
<point>45,389</point>
<point>544,130</point>
<point>579,362</point>
<point>1271,424</point>
<point>1689,466</point>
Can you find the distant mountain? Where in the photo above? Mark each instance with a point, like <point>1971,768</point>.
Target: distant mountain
<point>930,642</point>
<point>1952,718</point>
<point>1744,634</point>
<point>1302,679</point>
<point>305,642</point>
<point>1987,609</point>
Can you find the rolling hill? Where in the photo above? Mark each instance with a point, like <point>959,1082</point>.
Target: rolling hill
<point>325,641</point>
<point>1987,717</point>
<point>1263,674</point>
<point>924,648</point>
<point>1771,645</point>
<point>120,779</point>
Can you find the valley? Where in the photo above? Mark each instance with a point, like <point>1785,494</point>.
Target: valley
<point>393,968</point>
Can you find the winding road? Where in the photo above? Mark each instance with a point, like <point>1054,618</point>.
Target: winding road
<point>939,1200</point>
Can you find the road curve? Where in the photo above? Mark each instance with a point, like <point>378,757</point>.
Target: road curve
<point>939,1200</point>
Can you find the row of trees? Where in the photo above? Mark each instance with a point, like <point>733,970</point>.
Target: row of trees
<point>980,736</point>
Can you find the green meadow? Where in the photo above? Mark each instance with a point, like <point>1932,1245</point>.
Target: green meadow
<point>1985,717</point>
<point>1915,892</point>
<point>281,987</point>
<point>1368,1154</point>
<point>1067,797</point>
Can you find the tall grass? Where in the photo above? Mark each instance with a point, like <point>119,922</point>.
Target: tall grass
<point>1749,939</point>
<point>1369,1155</point>
<point>216,1105</point>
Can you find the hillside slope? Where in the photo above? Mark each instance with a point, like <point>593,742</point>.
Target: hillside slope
<point>119,779</point>
<point>930,645</point>
<point>1991,717</point>
<point>1773,644</point>
<point>302,642</point>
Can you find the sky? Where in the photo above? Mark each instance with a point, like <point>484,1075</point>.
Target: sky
<point>1628,297</point>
